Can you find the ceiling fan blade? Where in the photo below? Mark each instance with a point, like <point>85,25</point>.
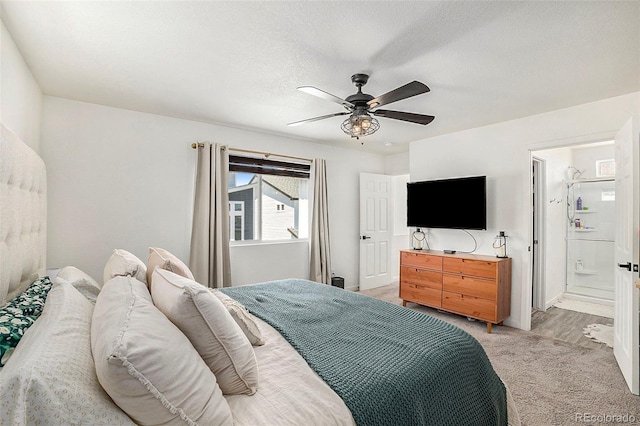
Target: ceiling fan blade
<point>310,120</point>
<point>408,90</point>
<point>324,95</point>
<point>404,116</point>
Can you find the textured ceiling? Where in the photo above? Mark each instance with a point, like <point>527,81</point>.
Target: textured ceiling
<point>239,63</point>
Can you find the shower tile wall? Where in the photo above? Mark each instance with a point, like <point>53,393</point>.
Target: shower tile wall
<point>590,254</point>
<point>590,250</point>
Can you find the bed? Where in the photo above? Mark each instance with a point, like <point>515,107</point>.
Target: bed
<point>329,356</point>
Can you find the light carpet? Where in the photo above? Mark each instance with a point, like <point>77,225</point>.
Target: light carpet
<point>600,333</point>
<point>553,382</point>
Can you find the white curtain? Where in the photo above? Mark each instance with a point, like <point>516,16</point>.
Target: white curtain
<point>320,253</point>
<point>209,260</point>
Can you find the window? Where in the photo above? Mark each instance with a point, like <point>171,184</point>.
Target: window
<point>268,199</point>
<point>606,168</point>
<point>608,195</point>
<point>236,220</point>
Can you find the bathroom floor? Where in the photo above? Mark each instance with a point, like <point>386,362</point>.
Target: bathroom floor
<point>592,292</point>
<point>600,309</point>
<point>567,325</point>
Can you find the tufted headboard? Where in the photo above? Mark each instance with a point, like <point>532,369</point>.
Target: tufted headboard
<point>23,215</point>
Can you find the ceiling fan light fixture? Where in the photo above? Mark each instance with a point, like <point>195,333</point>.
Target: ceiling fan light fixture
<point>360,125</point>
<point>360,106</point>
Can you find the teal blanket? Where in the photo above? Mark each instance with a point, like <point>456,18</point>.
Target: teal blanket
<point>390,365</point>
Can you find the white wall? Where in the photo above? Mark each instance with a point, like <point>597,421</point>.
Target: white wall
<point>124,179</point>
<point>396,164</point>
<point>400,229</point>
<point>21,97</point>
<point>584,158</point>
<point>501,152</point>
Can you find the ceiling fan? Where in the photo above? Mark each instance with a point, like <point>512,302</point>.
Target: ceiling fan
<point>361,106</point>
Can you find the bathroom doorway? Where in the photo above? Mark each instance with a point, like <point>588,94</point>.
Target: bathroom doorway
<point>573,231</point>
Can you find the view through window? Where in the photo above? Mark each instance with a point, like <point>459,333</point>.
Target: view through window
<point>265,206</point>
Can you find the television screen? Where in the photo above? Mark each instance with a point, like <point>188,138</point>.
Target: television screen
<point>448,203</point>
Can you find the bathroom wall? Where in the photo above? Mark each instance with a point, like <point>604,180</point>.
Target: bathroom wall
<point>585,157</point>
<point>554,212</point>
<point>590,253</point>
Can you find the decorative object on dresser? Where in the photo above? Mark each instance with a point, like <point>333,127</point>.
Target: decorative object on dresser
<point>500,245</point>
<point>418,239</point>
<point>472,285</point>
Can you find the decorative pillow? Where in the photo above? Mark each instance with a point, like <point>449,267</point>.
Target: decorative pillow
<point>86,285</point>
<point>147,365</point>
<point>122,264</point>
<point>210,328</point>
<point>165,260</point>
<point>20,314</point>
<point>51,378</point>
<point>242,317</point>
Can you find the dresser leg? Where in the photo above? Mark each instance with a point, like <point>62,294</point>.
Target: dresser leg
<point>404,303</point>
<point>501,323</point>
<point>489,327</point>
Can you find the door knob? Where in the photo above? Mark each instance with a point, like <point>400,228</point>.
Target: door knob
<point>364,237</point>
<point>626,266</point>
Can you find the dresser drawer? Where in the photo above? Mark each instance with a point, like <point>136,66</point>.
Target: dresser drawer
<point>421,277</point>
<point>420,260</point>
<point>420,294</point>
<point>469,305</point>
<point>477,268</point>
<point>470,286</point>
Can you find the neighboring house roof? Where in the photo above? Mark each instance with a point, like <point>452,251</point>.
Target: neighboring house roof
<point>284,184</point>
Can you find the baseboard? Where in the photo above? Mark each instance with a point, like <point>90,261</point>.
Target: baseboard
<point>513,323</point>
<point>352,288</point>
<point>552,302</point>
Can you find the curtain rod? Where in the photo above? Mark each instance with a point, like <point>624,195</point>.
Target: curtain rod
<point>266,154</point>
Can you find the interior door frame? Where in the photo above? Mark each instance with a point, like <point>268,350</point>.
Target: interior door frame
<point>539,211</point>
<point>527,292</point>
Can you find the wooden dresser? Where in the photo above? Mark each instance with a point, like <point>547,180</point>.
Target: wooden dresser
<point>475,286</point>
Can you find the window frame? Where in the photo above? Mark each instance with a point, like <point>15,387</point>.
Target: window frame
<point>261,167</point>
<point>600,163</point>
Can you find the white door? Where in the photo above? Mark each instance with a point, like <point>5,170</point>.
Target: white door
<point>376,230</point>
<point>625,322</point>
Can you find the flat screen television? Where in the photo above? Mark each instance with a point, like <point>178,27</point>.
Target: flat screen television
<point>459,203</point>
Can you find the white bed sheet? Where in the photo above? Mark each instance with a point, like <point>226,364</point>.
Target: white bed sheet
<point>291,393</point>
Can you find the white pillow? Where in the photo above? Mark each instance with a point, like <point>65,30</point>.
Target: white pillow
<point>242,317</point>
<point>147,365</point>
<point>51,377</point>
<point>122,264</point>
<point>86,285</point>
<point>165,260</point>
<point>210,328</point>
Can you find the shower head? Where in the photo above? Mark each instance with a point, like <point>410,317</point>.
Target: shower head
<point>576,174</point>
